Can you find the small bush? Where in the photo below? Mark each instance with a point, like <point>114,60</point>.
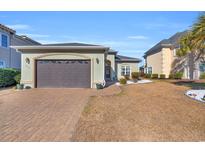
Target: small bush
<point>142,74</point>
<point>202,76</point>
<point>7,76</point>
<point>27,87</point>
<point>17,78</point>
<point>127,77</point>
<point>178,75</point>
<point>171,76</point>
<point>135,75</point>
<point>123,81</point>
<point>154,76</point>
<point>162,76</point>
<point>148,76</point>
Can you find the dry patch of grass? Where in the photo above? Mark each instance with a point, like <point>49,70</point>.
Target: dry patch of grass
<point>148,112</point>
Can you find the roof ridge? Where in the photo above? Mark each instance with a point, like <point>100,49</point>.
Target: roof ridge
<point>7,28</point>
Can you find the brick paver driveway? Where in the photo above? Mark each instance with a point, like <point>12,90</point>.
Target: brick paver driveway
<point>43,114</point>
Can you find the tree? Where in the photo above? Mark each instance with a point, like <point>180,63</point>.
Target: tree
<point>193,44</point>
<point>198,40</point>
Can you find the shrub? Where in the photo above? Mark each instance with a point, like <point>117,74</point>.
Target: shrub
<point>142,74</point>
<point>27,87</point>
<point>7,76</point>
<point>127,77</point>
<point>154,76</point>
<point>202,76</point>
<point>148,75</point>
<point>162,76</point>
<point>178,75</point>
<point>17,78</point>
<point>123,81</point>
<point>99,86</point>
<point>135,75</point>
<point>171,76</point>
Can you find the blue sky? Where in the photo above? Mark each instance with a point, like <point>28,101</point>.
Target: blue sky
<point>130,33</point>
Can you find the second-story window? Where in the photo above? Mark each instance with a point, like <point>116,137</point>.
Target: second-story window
<point>4,40</point>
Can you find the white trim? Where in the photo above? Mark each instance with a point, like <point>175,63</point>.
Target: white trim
<point>59,47</point>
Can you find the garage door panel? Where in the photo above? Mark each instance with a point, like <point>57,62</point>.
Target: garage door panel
<point>63,73</point>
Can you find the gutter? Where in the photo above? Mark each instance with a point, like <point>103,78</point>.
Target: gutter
<point>59,47</point>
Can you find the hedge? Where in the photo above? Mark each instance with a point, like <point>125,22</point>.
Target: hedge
<point>7,76</point>
<point>123,81</point>
<point>162,76</point>
<point>135,75</point>
<point>148,75</point>
<point>178,75</point>
<point>17,78</point>
<point>154,76</point>
<point>202,76</point>
<point>171,76</point>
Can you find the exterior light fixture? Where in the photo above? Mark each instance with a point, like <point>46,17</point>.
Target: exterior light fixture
<point>27,60</point>
<point>97,60</point>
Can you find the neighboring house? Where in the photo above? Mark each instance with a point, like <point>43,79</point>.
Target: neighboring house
<point>162,59</point>
<point>72,65</point>
<point>9,57</point>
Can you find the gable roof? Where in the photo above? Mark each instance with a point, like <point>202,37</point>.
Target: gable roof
<point>7,29</point>
<point>61,47</point>
<point>120,58</point>
<point>27,39</point>
<point>172,42</point>
<point>69,44</point>
<point>111,51</point>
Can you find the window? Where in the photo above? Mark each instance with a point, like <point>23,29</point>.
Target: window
<point>4,41</point>
<point>202,67</point>
<point>2,63</point>
<point>125,70</point>
<point>149,70</point>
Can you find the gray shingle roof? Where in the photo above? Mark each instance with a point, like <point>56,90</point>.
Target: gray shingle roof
<point>28,39</point>
<point>69,44</point>
<point>120,58</point>
<point>7,29</point>
<point>111,51</point>
<point>173,41</point>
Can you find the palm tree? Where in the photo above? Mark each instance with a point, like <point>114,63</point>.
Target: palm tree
<point>198,41</point>
<point>193,43</point>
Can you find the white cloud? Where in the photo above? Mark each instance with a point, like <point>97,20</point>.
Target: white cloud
<point>138,37</point>
<point>19,26</point>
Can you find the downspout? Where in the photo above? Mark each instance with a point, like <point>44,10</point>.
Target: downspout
<point>9,45</point>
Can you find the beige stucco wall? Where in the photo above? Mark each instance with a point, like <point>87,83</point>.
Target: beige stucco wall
<point>111,58</point>
<point>133,67</point>
<point>155,61</point>
<point>167,59</point>
<point>28,70</point>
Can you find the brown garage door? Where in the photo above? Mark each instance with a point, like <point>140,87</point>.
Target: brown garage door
<point>63,73</point>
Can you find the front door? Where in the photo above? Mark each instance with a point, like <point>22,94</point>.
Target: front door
<point>108,70</point>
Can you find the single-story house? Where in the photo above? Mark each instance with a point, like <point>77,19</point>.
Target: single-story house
<point>73,65</point>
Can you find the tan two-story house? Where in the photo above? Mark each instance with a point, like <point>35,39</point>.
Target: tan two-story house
<point>162,59</point>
